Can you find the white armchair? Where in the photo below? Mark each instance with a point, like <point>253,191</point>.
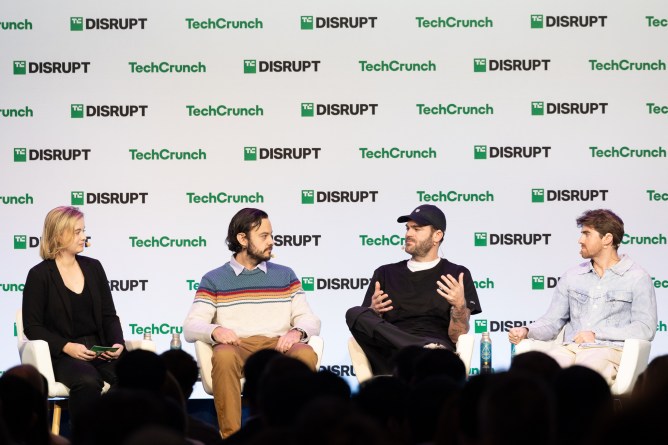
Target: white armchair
<point>362,366</point>
<point>204,353</point>
<point>635,356</point>
<point>36,353</point>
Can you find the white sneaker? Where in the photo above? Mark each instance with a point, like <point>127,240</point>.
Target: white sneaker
<point>434,346</point>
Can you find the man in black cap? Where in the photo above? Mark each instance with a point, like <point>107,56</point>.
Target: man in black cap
<point>425,301</point>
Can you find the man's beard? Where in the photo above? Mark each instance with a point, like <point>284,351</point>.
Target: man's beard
<point>420,249</point>
<point>257,255</point>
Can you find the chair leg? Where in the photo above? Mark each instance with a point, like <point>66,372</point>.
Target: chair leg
<point>55,423</point>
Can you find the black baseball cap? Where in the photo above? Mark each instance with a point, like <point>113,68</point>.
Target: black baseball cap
<point>426,215</point>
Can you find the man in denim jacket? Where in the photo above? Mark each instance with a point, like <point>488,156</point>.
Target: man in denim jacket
<point>599,303</point>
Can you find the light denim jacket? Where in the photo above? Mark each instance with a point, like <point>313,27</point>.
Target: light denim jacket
<point>618,306</point>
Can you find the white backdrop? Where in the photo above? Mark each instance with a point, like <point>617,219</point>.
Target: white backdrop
<point>154,285</point>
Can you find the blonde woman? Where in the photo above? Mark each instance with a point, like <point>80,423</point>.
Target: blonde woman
<point>67,303</point>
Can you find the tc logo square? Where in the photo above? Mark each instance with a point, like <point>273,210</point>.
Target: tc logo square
<point>538,282</point>
<point>537,195</point>
<point>537,108</point>
<point>480,239</point>
<point>480,326</point>
<point>536,21</point>
<point>308,284</point>
<point>76,23</point>
<point>250,153</point>
<point>250,66</point>
<point>20,155</point>
<point>307,22</point>
<point>479,65</point>
<point>19,67</point>
<point>307,109</point>
<point>480,152</point>
<point>77,111</point>
<point>77,198</point>
<point>20,242</point>
<point>308,197</point>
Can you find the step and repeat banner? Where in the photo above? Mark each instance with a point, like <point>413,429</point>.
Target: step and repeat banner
<point>161,119</point>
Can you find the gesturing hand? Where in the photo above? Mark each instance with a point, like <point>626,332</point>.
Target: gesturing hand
<point>380,302</point>
<point>452,290</point>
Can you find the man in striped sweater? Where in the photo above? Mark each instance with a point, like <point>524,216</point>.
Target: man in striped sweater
<point>246,305</point>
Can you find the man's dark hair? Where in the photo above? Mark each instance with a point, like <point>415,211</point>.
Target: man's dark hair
<point>604,221</point>
<point>243,222</point>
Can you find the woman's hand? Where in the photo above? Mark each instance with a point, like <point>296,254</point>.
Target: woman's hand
<point>108,355</point>
<point>79,352</point>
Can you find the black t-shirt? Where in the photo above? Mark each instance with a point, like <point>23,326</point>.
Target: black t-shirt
<point>83,322</point>
<point>418,308</point>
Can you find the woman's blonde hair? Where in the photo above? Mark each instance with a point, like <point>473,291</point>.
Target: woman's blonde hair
<point>58,230</point>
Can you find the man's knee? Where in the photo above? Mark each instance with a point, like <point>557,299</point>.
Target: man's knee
<point>352,314</point>
<point>304,353</point>
<point>225,356</point>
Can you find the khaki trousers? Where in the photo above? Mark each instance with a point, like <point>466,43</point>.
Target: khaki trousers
<point>228,362</point>
<point>604,360</point>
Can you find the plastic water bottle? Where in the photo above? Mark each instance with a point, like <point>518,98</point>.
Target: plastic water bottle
<point>147,336</point>
<point>176,341</point>
<point>512,351</point>
<point>485,354</point>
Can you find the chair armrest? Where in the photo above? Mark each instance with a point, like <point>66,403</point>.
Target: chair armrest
<point>318,346</point>
<point>635,357</point>
<point>146,345</point>
<point>204,353</point>
<point>360,362</point>
<point>37,354</point>
<point>465,345</point>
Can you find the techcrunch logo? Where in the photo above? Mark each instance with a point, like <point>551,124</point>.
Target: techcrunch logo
<point>192,284</point>
<point>454,22</point>
<point>17,112</point>
<point>383,240</point>
<point>310,284</point>
<point>626,152</point>
<point>224,111</point>
<point>106,24</point>
<point>542,108</point>
<point>397,153</point>
<point>296,240</point>
<point>484,239</point>
<point>540,195</point>
<point>309,22</point>
<point>485,65</point>
<point>166,68</point>
<point>25,25</point>
<point>525,151</point>
<point>22,242</point>
<point>79,198</point>
<point>484,284</point>
<point>653,108</point>
<point>280,153</point>
<point>26,199</point>
<point>167,155</point>
<point>128,285</point>
<point>454,109</point>
<point>660,239</point>
<point>454,196</point>
<point>310,109</point>
<point>312,196</point>
<point>164,328</point>
<point>22,154</point>
<point>542,282</point>
<point>22,67</point>
<point>657,196</point>
<point>166,241</point>
<point>540,21</point>
<point>224,198</point>
<point>497,325</point>
<point>79,111</point>
<point>625,65</point>
<point>660,284</point>
<point>223,23</point>
<point>651,22</point>
<point>252,66</point>
<point>12,287</point>
<point>396,66</point>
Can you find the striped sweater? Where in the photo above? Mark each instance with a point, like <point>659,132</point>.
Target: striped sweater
<point>252,303</point>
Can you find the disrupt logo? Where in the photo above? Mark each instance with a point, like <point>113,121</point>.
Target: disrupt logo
<point>12,287</point>
<point>540,195</point>
<point>454,22</point>
<point>660,239</point>
<point>340,370</point>
<point>166,68</point>
<point>166,241</point>
<point>542,108</point>
<point>483,239</point>
<point>311,283</point>
<point>484,65</point>
<point>79,111</point>
<point>525,151</point>
<point>498,325</point>
<point>252,66</point>
<point>358,196</point>
<point>128,285</point>
<point>454,196</point>
<point>296,240</point>
<point>14,199</point>
<point>224,111</point>
<point>540,21</point>
<point>396,66</point>
<point>280,153</point>
<point>383,240</point>
<point>309,22</point>
<point>309,109</point>
<point>480,326</point>
<point>25,25</point>
<point>163,328</point>
<point>653,108</point>
<point>541,282</point>
<point>79,198</point>
<point>50,154</point>
<point>627,152</point>
<point>223,23</point>
<point>397,153</point>
<point>224,198</point>
<point>625,65</point>
<point>106,24</point>
<point>167,155</point>
<point>454,109</point>
<point>22,67</point>
<point>657,196</point>
<point>23,242</point>
<point>17,112</point>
